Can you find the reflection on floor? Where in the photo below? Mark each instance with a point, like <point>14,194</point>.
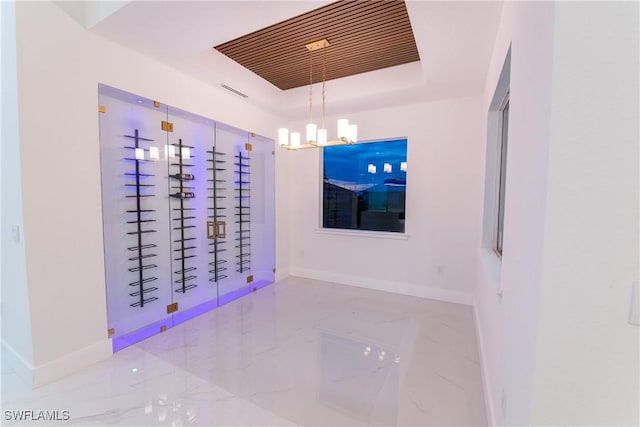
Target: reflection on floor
<point>300,352</point>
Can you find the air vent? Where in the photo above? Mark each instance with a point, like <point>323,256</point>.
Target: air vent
<point>237,92</point>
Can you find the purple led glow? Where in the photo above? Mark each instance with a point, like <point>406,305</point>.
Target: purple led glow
<point>181,317</point>
<point>232,296</point>
<point>124,341</point>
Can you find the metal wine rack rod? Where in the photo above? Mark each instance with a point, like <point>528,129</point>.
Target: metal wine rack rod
<point>216,161</point>
<point>183,194</point>
<point>242,211</point>
<point>141,294</point>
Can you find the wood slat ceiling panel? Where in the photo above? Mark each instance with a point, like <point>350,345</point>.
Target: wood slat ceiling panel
<point>364,35</point>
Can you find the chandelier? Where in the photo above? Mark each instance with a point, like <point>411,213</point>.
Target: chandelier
<point>317,137</point>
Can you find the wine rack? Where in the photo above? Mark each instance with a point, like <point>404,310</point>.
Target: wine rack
<point>216,214</point>
<point>181,225</point>
<point>243,212</point>
<point>139,218</point>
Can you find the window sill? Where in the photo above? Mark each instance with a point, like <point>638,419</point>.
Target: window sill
<point>363,233</point>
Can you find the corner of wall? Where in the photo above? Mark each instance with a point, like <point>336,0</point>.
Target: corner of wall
<point>455,297</point>
<point>484,369</point>
<point>23,368</point>
<point>70,363</point>
<point>37,376</point>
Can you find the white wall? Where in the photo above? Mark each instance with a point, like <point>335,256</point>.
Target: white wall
<point>507,326</point>
<point>60,65</point>
<point>16,323</point>
<point>443,204</point>
<point>587,354</point>
<point>556,349</point>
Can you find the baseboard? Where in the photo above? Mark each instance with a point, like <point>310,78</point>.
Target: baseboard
<point>23,368</point>
<point>386,286</point>
<point>281,274</point>
<point>70,363</point>
<point>486,381</point>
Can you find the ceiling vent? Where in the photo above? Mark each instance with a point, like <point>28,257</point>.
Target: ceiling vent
<point>237,92</point>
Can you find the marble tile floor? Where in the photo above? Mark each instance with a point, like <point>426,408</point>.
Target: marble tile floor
<point>300,352</point>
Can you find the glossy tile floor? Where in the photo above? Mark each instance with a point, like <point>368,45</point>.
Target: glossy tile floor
<point>300,352</point>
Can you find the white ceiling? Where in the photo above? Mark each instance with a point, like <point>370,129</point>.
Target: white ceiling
<point>455,40</point>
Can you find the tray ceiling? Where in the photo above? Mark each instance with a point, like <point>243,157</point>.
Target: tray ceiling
<point>363,35</point>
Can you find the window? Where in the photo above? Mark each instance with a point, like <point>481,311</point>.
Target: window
<point>364,186</point>
<point>502,171</point>
<point>495,179</point>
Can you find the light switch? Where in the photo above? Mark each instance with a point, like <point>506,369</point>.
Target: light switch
<point>634,306</point>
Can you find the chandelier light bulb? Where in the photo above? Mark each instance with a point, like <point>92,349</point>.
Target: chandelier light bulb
<point>295,139</point>
<point>343,125</point>
<point>311,132</point>
<point>352,133</point>
<point>283,136</point>
<point>322,136</point>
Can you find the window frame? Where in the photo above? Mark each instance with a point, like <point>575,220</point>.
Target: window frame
<point>501,174</point>
<point>357,232</point>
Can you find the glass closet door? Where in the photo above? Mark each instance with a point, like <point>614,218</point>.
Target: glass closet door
<point>192,245</point>
<point>262,210</point>
<point>232,143</point>
<point>136,224</point>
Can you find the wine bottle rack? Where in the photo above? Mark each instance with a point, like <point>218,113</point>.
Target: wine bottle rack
<point>243,211</point>
<point>140,218</point>
<point>216,213</point>
<point>183,247</point>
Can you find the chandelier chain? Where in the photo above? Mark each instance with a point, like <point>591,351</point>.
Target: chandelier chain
<point>310,86</point>
<point>324,78</point>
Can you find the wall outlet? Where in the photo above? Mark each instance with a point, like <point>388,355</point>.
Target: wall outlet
<point>634,306</point>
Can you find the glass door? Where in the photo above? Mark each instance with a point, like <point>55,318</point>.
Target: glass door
<point>192,284</point>
<point>135,223</point>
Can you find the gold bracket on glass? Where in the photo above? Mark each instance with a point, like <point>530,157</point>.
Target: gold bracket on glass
<point>172,307</point>
<point>248,146</point>
<point>249,279</point>
<point>216,229</point>
<point>167,126</point>
<point>156,104</point>
<point>111,332</point>
<point>102,109</point>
